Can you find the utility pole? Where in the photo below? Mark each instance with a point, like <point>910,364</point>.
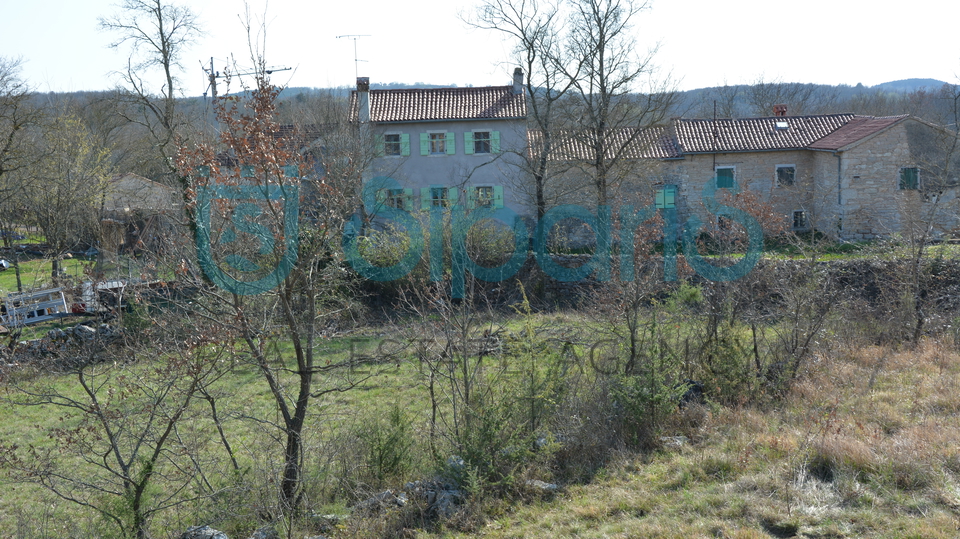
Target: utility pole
<point>356,61</point>
<point>212,77</point>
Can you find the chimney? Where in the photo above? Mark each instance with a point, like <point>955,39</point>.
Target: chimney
<point>779,110</point>
<point>363,99</point>
<point>517,81</point>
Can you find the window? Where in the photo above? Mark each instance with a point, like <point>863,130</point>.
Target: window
<point>439,196</point>
<point>667,197</point>
<point>786,175</point>
<point>394,144</point>
<point>725,177</point>
<point>483,196</point>
<point>395,198</point>
<point>391,144</point>
<point>909,178</point>
<point>400,199</point>
<point>799,220</point>
<point>481,142</point>
<point>437,143</point>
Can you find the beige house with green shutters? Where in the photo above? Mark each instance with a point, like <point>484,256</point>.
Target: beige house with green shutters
<point>445,146</point>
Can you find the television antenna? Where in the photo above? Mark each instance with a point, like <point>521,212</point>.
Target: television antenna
<point>356,61</point>
<point>213,75</point>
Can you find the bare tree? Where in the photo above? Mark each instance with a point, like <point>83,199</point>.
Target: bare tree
<point>121,447</point>
<point>536,27</point>
<point>17,153</point>
<point>607,71</point>
<point>800,98</point>
<point>157,32</point>
<point>297,305</point>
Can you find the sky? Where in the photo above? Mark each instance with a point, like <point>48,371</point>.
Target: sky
<point>699,43</point>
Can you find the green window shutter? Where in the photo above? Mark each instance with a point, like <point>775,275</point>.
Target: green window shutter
<point>468,143</point>
<point>670,197</point>
<point>724,178</point>
<point>291,171</point>
<point>495,142</point>
<point>381,199</point>
<point>497,196</point>
<point>408,199</point>
<point>452,195</point>
<point>451,143</point>
<point>379,146</point>
<point>425,198</point>
<point>424,144</point>
<point>248,171</point>
<point>909,178</point>
<point>405,144</point>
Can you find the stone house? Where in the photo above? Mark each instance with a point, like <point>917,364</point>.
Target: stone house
<point>850,176</point>
<point>854,177</point>
<point>445,145</point>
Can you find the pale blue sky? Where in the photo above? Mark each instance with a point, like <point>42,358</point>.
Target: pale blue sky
<point>702,42</point>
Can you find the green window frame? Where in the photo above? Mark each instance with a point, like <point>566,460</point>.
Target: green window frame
<point>438,143</point>
<point>725,177</point>
<point>437,196</point>
<point>394,145</point>
<point>485,196</point>
<point>667,197</point>
<point>481,142</point>
<point>909,178</point>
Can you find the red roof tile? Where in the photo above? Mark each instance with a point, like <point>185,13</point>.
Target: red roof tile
<point>755,134</point>
<point>625,143</point>
<point>859,128</point>
<point>425,104</point>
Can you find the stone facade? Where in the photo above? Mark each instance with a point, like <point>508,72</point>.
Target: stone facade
<point>852,191</point>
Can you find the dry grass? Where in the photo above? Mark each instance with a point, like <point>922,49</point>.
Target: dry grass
<point>867,444</point>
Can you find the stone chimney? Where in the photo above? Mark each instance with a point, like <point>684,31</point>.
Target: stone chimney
<point>779,110</point>
<point>517,81</point>
<point>363,99</point>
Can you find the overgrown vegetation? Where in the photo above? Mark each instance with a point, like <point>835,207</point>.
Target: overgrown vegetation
<point>816,395</point>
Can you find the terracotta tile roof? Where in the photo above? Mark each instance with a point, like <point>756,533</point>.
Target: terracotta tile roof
<point>637,143</point>
<point>755,134</point>
<point>425,104</point>
<point>859,128</point>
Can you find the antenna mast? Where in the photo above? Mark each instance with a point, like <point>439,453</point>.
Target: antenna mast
<point>356,61</point>
<point>213,75</point>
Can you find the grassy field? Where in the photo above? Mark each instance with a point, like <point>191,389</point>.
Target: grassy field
<point>863,442</point>
<point>35,273</point>
<point>866,445</point>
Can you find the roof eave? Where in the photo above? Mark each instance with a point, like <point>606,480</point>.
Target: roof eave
<point>393,122</point>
